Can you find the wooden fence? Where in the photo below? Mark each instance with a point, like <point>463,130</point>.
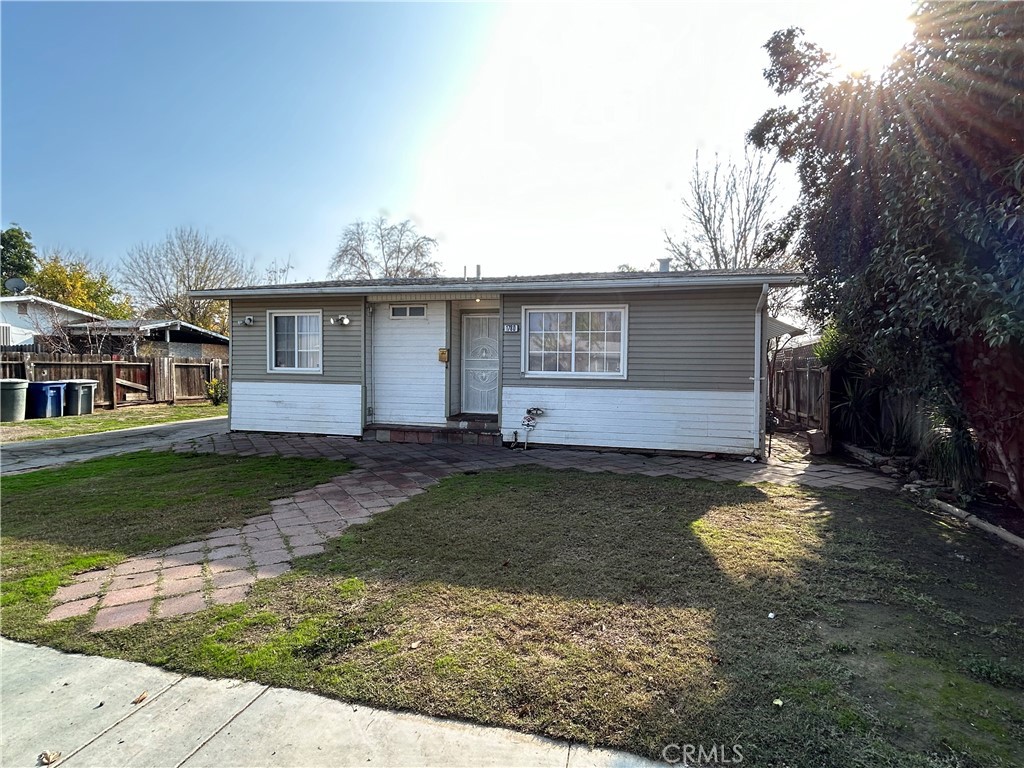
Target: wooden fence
<point>800,388</point>
<point>122,380</point>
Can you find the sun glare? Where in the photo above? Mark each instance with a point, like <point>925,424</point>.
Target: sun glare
<point>863,37</point>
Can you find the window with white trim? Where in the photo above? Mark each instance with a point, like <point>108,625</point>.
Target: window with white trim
<point>402,311</point>
<point>295,342</point>
<point>575,341</point>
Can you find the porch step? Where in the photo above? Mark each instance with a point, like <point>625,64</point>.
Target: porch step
<point>391,433</point>
<point>478,422</point>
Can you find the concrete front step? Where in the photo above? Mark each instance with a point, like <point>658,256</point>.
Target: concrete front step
<point>469,435</point>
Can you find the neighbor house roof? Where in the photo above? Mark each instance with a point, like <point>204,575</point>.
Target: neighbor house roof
<point>774,327</point>
<point>592,280</point>
<point>31,299</point>
<point>125,327</point>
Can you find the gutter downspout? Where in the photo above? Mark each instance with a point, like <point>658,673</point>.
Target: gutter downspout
<point>758,368</point>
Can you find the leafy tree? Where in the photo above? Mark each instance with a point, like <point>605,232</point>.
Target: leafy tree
<point>160,276</point>
<point>910,223</point>
<point>18,256</point>
<point>378,249</point>
<point>68,277</point>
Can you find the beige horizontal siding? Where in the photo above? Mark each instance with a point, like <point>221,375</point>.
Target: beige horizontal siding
<point>697,339</point>
<point>342,344</point>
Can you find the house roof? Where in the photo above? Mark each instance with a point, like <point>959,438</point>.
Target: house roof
<point>32,299</point>
<point>774,327</point>
<point>592,280</point>
<point>122,327</point>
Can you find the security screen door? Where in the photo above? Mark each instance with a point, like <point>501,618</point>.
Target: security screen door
<point>480,363</point>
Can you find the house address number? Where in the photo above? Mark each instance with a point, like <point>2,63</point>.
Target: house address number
<point>511,327</point>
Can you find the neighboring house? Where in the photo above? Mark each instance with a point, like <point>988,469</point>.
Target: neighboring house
<point>158,338</point>
<point>655,360</point>
<point>25,316</point>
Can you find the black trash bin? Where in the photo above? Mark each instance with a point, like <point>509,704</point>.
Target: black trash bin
<point>80,397</point>
<point>13,393</point>
<point>45,399</point>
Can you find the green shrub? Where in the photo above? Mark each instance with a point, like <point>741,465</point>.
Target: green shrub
<point>217,391</point>
<point>952,449</point>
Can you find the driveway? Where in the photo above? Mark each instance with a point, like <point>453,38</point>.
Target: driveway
<point>40,454</point>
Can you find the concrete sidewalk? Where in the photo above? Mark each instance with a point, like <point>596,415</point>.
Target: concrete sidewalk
<point>40,454</point>
<point>81,706</point>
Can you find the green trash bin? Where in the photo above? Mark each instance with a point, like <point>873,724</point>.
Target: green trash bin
<point>13,394</point>
<point>80,397</point>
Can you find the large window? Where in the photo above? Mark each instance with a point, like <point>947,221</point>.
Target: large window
<point>575,341</point>
<point>295,342</point>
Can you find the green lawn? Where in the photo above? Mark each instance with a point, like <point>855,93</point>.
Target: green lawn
<point>107,420</point>
<point>625,611</point>
<point>57,522</point>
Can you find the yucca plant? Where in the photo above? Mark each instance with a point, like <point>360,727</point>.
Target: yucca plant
<point>951,450</point>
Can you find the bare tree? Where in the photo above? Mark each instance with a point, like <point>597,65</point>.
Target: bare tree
<point>160,275</point>
<point>378,249</point>
<point>53,330</point>
<point>727,211</point>
<point>730,212</point>
<point>278,272</point>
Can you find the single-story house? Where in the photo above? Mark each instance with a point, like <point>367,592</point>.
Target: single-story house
<point>23,317</point>
<point>157,338</point>
<point>648,360</point>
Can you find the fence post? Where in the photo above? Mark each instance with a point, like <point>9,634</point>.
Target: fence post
<point>113,385</point>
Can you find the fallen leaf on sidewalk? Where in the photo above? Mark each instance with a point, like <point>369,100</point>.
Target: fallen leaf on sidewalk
<point>140,698</point>
<point>48,758</point>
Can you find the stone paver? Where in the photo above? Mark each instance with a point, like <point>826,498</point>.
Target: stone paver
<point>118,616</point>
<point>225,564</point>
<point>74,608</point>
<point>182,604</point>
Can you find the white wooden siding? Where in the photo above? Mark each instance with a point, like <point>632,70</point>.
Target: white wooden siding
<point>688,420</point>
<point>407,379</point>
<point>288,406</point>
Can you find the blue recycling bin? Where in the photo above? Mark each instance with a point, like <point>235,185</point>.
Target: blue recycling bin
<point>45,399</point>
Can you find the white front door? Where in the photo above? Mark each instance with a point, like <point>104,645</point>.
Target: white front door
<point>480,363</point>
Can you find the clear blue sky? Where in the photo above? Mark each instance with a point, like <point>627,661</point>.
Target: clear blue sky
<point>527,137</point>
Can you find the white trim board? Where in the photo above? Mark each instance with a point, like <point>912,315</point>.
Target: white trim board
<point>722,422</point>
<point>286,406</point>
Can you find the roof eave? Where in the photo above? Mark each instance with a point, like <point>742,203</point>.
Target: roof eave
<point>475,286</point>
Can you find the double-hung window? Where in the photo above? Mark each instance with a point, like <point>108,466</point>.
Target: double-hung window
<point>295,342</point>
<point>588,342</point>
